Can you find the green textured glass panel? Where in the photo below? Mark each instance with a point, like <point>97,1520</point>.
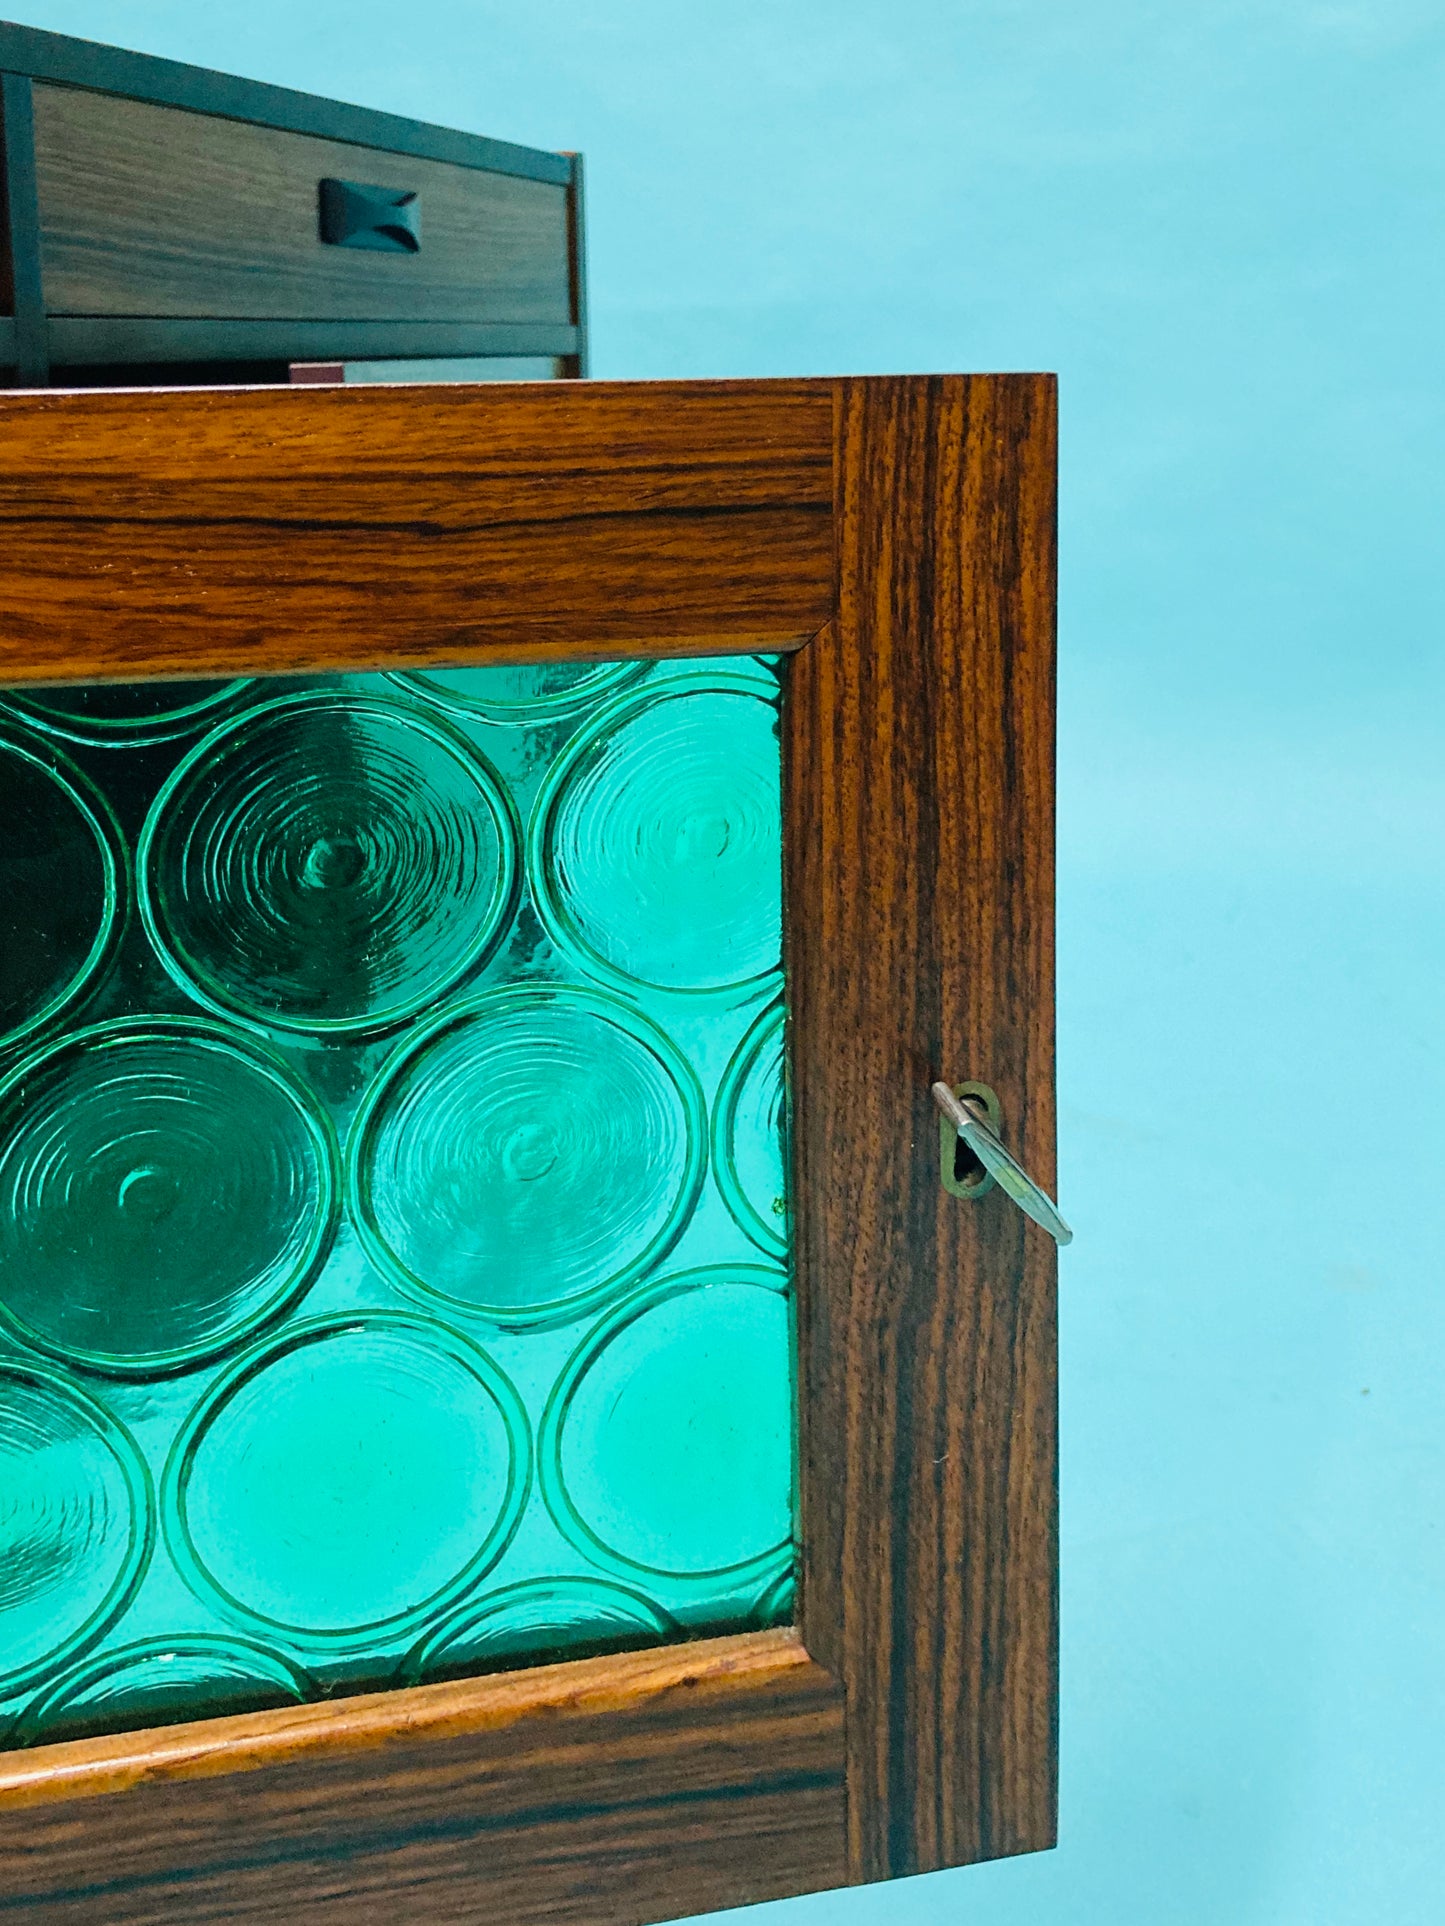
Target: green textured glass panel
<point>664,1447</point>
<point>348,1481</point>
<point>127,713</point>
<point>531,1156</point>
<point>164,1187</point>
<point>203,1676</point>
<point>655,843</point>
<point>393,1218</point>
<point>78,1521</point>
<point>62,873</point>
<point>332,862</point>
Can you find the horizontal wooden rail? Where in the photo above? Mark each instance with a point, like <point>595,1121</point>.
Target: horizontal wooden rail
<point>605,1788</point>
<point>250,531</point>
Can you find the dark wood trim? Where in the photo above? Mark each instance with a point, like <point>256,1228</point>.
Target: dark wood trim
<point>22,227</point>
<point>150,211</point>
<point>76,340</point>
<point>581,360</point>
<point>166,531</point>
<point>7,281</point>
<point>908,525</point>
<point>112,70</point>
<point>506,1701</point>
<point>600,1793</point>
<point>919,824</point>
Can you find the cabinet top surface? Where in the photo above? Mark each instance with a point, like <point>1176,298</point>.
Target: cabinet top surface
<point>62,59</point>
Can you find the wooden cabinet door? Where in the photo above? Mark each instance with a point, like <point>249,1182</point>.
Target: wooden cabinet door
<point>890,543</point>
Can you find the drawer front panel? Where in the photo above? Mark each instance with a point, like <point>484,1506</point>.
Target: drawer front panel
<point>150,210</point>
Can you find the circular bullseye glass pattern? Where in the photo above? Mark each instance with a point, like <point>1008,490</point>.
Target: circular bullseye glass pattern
<point>201,1676</point>
<point>60,863</point>
<point>666,1444</point>
<point>748,1125</point>
<point>521,692</point>
<point>774,1605</point>
<point>164,1186</point>
<point>126,714</point>
<point>532,1154</point>
<point>539,1619</point>
<point>348,1482</point>
<point>76,1523</point>
<point>655,845</point>
<point>331,864</point>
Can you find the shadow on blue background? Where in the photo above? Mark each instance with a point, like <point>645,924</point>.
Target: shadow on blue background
<point>1221,225</point>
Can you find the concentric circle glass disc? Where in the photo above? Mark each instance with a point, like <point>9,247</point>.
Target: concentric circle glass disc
<point>76,1522</point>
<point>655,845</point>
<point>521,692</point>
<point>534,1153</point>
<point>332,863</point>
<point>198,1676</point>
<point>126,714</point>
<point>60,871</point>
<point>348,1482</point>
<point>748,1126</point>
<point>774,1605</point>
<point>536,1620</point>
<point>164,1187</point>
<point>666,1444</point>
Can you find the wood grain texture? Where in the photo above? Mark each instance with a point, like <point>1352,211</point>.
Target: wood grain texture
<point>149,210</point>
<point>84,63</point>
<point>78,341</point>
<point>919,888</point>
<point>7,223</point>
<point>599,1793</point>
<point>24,290</point>
<point>581,361</point>
<point>228,532</point>
<point>197,533</point>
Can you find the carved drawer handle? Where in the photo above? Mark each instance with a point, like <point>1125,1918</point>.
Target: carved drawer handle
<point>385,218</point>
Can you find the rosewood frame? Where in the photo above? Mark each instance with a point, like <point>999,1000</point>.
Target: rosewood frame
<point>897,535</point>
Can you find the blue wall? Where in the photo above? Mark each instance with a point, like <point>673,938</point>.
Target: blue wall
<point>1221,223</point>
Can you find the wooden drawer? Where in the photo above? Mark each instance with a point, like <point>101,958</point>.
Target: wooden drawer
<point>155,210</point>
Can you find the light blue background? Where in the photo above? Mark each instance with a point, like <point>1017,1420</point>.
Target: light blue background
<point>1222,224</point>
